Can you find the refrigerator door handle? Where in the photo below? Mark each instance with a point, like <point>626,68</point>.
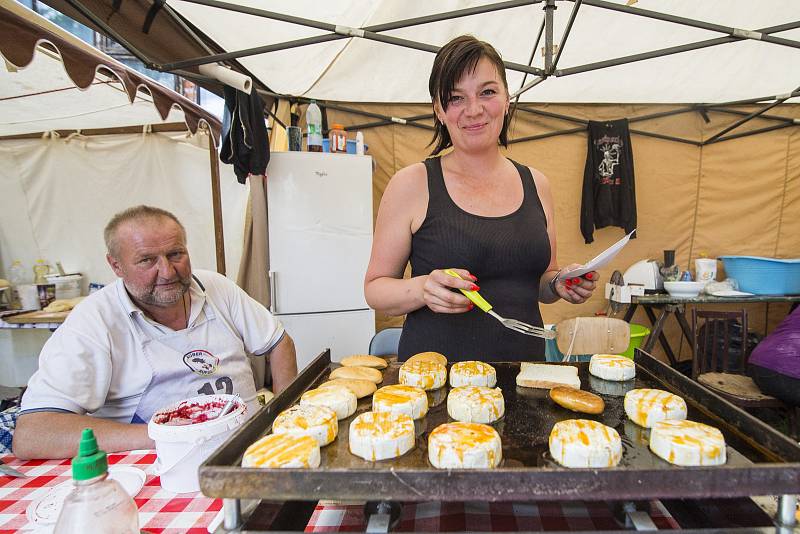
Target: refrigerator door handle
<point>273,293</point>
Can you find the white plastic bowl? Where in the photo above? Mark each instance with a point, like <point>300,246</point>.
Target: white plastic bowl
<point>684,290</point>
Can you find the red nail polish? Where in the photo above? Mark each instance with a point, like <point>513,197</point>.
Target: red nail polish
<point>471,306</point>
<point>589,276</point>
<point>475,288</point>
<point>474,278</point>
<point>576,281</point>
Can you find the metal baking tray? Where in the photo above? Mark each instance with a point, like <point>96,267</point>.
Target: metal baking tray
<point>761,461</point>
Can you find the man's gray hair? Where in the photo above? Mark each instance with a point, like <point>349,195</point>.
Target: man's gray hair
<point>132,214</point>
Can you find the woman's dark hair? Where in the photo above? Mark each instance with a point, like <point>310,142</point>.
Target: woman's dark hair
<point>459,56</point>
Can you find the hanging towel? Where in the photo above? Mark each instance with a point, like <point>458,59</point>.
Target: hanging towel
<point>244,134</point>
<point>609,193</point>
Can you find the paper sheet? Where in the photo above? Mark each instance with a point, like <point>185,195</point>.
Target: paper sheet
<point>598,261</point>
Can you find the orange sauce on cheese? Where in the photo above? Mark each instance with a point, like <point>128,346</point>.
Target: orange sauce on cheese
<point>277,450</point>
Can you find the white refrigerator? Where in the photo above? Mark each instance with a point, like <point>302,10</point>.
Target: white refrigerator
<point>320,236</point>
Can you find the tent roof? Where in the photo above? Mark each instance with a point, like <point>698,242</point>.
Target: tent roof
<point>741,66</point>
<point>46,68</point>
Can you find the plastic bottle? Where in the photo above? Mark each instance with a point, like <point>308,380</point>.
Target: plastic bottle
<point>337,138</point>
<point>360,143</point>
<point>40,269</point>
<point>98,503</point>
<point>16,277</point>
<point>314,127</point>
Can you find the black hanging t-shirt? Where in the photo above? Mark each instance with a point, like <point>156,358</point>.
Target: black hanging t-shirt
<point>609,194</point>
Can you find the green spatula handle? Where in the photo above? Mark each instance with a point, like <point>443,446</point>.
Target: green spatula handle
<point>474,296</point>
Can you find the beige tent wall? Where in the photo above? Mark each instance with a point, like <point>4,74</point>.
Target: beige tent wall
<point>736,197</point>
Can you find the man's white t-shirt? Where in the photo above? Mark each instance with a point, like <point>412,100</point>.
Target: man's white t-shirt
<point>92,364</point>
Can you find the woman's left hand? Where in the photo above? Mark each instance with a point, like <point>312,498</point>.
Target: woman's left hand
<point>576,290</point>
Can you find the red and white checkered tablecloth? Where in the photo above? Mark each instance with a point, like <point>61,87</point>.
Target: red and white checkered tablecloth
<point>484,516</point>
<point>160,511</point>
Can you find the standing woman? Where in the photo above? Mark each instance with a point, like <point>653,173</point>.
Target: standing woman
<point>474,210</point>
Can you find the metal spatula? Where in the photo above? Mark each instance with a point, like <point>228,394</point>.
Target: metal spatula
<point>513,324</point>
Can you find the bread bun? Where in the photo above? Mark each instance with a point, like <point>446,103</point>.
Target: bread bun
<point>472,374</point>
<point>338,398</point>
<point>585,443</point>
<point>646,407</point>
<point>364,360</point>
<point>380,435</point>
<point>464,446</point>
<point>475,404</point>
<point>282,450</point>
<point>612,367</point>
<point>423,374</point>
<point>362,388</point>
<point>577,400</point>
<point>399,398</point>
<point>319,422</point>
<point>434,357</point>
<point>359,373</point>
<point>547,375</point>
<point>687,443</point>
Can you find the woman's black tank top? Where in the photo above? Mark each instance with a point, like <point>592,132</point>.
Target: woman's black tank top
<point>508,254</point>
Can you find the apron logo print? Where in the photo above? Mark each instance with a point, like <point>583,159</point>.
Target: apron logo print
<point>201,362</point>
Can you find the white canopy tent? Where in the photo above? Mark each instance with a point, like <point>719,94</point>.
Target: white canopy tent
<point>681,72</point>
<point>71,157</point>
<point>367,70</point>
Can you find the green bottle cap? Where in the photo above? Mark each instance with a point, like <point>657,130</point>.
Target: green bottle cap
<point>91,462</point>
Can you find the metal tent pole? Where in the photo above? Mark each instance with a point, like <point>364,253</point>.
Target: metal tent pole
<point>743,120</point>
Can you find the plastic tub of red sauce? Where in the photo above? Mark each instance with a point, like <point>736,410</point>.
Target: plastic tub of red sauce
<point>186,433</point>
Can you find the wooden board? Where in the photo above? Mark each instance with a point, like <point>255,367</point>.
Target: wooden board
<point>37,317</point>
<point>594,335</point>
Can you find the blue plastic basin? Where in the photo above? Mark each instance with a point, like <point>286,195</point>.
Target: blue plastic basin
<point>764,276</point>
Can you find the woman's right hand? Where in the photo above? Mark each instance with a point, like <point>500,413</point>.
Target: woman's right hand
<point>438,294</point>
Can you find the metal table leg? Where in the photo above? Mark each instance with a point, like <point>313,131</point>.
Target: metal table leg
<point>787,507</point>
<point>232,513</point>
<point>658,334</point>
<point>630,312</point>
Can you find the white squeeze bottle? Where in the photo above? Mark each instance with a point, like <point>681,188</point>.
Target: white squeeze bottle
<point>98,504</point>
<point>314,127</point>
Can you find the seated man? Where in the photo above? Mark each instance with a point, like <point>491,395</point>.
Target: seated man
<point>159,334</point>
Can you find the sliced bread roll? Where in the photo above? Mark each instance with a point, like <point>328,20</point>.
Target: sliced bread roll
<point>399,398</point>
<point>646,407</point>
<point>364,360</point>
<point>472,373</point>
<point>434,357</point>
<point>282,450</point>
<point>464,446</point>
<point>547,375</point>
<point>423,374</point>
<point>687,443</point>
<point>362,388</point>
<point>338,398</point>
<point>319,422</point>
<point>475,404</point>
<point>585,443</point>
<point>358,373</point>
<point>612,367</point>
<point>381,435</point>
